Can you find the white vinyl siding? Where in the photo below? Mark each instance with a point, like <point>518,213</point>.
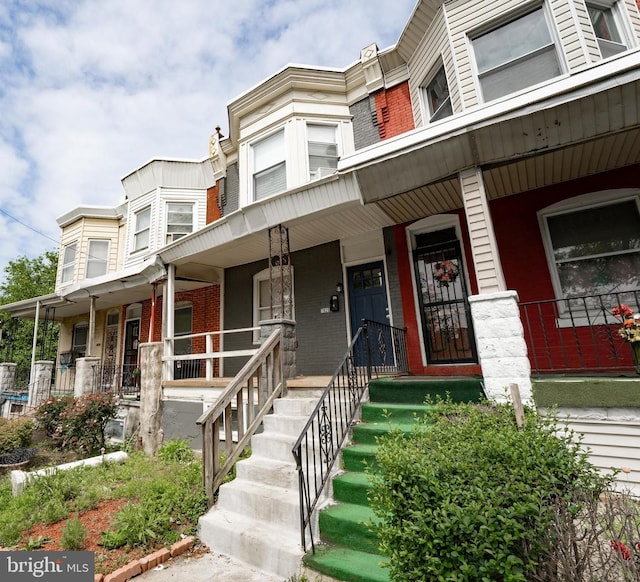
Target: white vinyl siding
<point>269,166</point>
<point>97,258</point>
<point>68,263</point>
<point>515,55</point>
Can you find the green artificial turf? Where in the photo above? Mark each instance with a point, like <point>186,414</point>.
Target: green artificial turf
<point>587,392</point>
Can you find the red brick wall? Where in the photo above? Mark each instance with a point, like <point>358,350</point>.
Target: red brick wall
<point>393,108</point>
<point>213,203</point>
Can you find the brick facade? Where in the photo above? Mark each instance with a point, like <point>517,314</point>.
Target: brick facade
<point>395,114</point>
<point>213,203</point>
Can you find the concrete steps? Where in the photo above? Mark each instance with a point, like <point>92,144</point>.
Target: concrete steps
<point>256,518</point>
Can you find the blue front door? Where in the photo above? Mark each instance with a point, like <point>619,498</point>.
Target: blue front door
<point>368,300</point>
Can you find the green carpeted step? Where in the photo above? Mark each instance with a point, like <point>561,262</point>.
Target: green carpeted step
<point>352,488</point>
<point>348,525</point>
<point>415,391</point>
<point>348,565</point>
<point>359,457</point>
<point>368,433</point>
<point>389,412</point>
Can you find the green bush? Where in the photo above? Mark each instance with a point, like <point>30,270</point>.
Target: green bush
<point>73,535</point>
<point>15,434</point>
<point>468,496</point>
<point>49,412</point>
<point>78,423</point>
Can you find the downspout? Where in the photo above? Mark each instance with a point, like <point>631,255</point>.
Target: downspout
<point>170,300</point>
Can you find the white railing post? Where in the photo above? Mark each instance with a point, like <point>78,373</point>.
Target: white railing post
<point>209,361</point>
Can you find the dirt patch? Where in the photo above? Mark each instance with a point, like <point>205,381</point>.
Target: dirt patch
<point>95,521</point>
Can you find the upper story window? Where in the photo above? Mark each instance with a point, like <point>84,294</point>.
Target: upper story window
<point>269,166</point>
<point>322,146</point>
<point>142,229</point>
<point>179,220</point>
<point>436,96</point>
<point>605,24</point>
<point>515,55</point>
<point>594,249</point>
<point>68,263</point>
<point>97,258</point>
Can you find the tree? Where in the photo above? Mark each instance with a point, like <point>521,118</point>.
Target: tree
<point>26,278</point>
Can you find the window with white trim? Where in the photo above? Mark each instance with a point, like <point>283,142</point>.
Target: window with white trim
<point>269,166</point>
<point>142,229</point>
<point>515,55</point>
<point>436,96</point>
<point>262,300</point>
<point>97,258</point>
<point>605,22</point>
<point>79,340</point>
<point>179,220</point>
<point>594,249</point>
<point>68,263</point>
<point>322,147</point>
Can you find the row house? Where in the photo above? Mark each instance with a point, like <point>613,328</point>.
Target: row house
<point>476,184</point>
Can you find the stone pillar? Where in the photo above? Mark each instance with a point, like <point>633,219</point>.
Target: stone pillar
<point>289,343</point>
<point>40,384</point>
<point>502,349</point>
<point>8,376</point>
<point>85,374</point>
<point>151,397</point>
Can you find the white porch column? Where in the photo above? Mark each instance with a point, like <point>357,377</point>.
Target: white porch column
<point>92,325</point>
<point>169,313</point>
<point>34,346</point>
<point>502,350</point>
<point>484,247</point>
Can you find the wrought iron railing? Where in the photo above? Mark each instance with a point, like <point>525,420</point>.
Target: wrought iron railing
<point>376,349</point>
<point>250,396</point>
<point>578,335</point>
<point>123,380</point>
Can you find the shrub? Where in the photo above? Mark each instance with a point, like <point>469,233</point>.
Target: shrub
<point>176,451</point>
<point>15,434</point>
<point>78,423</point>
<point>49,412</point>
<point>468,496</point>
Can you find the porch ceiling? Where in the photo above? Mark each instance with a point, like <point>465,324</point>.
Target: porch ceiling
<point>577,126</point>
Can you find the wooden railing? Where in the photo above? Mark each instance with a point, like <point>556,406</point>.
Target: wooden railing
<point>250,395</point>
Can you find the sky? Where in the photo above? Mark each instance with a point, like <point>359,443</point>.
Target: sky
<point>91,90</point>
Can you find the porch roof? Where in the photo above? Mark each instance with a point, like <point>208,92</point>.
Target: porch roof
<point>595,112</point>
<point>317,213</point>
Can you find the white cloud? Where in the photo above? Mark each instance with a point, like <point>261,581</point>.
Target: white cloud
<point>91,89</point>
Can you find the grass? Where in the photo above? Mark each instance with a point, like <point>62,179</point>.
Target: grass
<point>164,499</point>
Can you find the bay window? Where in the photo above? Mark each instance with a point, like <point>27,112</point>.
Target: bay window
<point>515,55</point>
<point>97,258</point>
<point>269,166</point>
<point>322,146</point>
<point>142,229</point>
<point>68,263</point>
<point>179,220</point>
<point>436,96</point>
<point>605,25</point>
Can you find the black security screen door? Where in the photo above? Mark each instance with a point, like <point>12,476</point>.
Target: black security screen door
<point>442,292</point>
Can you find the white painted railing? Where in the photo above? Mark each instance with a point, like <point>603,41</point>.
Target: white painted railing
<point>209,355</point>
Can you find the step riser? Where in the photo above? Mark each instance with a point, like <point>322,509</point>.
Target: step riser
<point>354,536</point>
<point>291,425</point>
<point>351,493</point>
<point>357,462</point>
<point>383,413</point>
<point>222,536</point>
<point>277,476</point>
<point>263,507</point>
<point>295,406</point>
<point>266,445</point>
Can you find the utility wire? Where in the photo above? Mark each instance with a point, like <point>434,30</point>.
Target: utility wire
<point>28,226</point>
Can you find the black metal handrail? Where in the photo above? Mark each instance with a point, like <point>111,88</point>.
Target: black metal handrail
<point>376,349</point>
<point>578,334</point>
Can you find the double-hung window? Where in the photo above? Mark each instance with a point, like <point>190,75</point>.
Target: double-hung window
<point>68,263</point>
<point>605,25</point>
<point>97,258</point>
<point>322,146</point>
<point>516,55</point>
<point>142,229</point>
<point>265,307</point>
<point>436,96</point>
<point>179,220</point>
<point>595,250</point>
<point>269,166</point>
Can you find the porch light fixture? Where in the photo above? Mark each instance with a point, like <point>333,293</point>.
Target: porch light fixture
<point>339,288</point>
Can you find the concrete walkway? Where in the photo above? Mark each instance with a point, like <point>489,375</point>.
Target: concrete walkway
<point>205,568</point>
